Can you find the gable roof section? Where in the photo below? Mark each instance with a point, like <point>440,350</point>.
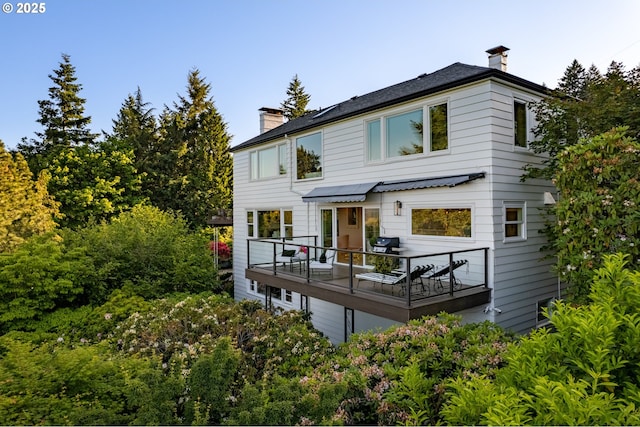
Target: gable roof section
<point>454,75</point>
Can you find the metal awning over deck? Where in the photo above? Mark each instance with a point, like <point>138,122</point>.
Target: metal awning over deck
<point>419,183</point>
<point>340,193</point>
<point>358,192</point>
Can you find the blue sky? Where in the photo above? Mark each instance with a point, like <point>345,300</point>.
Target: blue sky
<point>249,50</point>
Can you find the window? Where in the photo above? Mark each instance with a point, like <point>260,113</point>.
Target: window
<point>269,162</point>
<point>514,221</point>
<point>403,134</point>
<point>544,309</point>
<point>270,224</point>
<point>309,156</point>
<point>250,224</point>
<point>288,296</point>
<point>520,124</point>
<point>450,222</point>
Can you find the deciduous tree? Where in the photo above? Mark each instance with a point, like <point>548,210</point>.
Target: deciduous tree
<point>26,208</point>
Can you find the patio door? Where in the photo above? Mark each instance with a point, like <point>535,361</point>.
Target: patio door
<point>354,228</point>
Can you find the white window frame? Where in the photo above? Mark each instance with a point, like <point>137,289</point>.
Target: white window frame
<point>522,223</point>
<point>426,134</point>
<point>295,156</point>
<point>256,218</point>
<point>529,118</point>
<point>255,173</point>
<point>470,207</point>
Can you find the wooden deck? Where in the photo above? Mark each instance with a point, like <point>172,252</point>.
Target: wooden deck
<point>340,286</point>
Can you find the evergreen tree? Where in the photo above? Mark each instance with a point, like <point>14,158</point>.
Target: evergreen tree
<point>26,208</point>
<point>195,159</point>
<point>62,118</point>
<point>585,104</point>
<point>296,103</point>
<point>136,129</point>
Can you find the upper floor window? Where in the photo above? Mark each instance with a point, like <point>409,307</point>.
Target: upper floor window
<point>404,134</point>
<point>269,162</point>
<point>520,128</point>
<point>451,222</point>
<point>309,156</point>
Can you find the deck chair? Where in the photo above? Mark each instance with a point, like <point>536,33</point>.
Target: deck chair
<point>393,280</point>
<point>324,266</point>
<point>290,255</point>
<point>444,270</point>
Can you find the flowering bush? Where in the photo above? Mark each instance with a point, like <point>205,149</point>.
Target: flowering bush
<point>223,250</point>
<point>597,213</point>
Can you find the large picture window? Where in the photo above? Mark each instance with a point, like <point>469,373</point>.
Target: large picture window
<point>451,222</point>
<point>269,162</point>
<point>309,156</point>
<point>270,224</point>
<point>404,134</point>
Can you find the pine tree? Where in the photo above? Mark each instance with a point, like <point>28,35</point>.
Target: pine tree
<point>26,208</point>
<point>296,103</point>
<point>585,104</point>
<point>136,129</point>
<point>195,157</point>
<point>62,118</point>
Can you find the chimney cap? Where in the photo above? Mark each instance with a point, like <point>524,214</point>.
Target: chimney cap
<point>497,50</point>
<point>271,110</point>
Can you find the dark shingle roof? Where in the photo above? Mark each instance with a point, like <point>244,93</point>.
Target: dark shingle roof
<point>454,75</point>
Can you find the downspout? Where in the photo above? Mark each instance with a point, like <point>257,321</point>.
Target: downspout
<point>290,145</point>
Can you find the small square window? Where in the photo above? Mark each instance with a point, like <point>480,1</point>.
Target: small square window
<point>543,308</point>
<point>514,221</point>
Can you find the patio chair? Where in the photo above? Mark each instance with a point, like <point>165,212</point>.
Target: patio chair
<point>443,270</point>
<point>393,280</point>
<point>324,266</point>
<point>290,255</point>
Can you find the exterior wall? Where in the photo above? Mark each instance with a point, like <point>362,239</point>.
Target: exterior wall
<point>480,140</point>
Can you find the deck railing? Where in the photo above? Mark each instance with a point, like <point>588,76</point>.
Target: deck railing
<point>409,276</point>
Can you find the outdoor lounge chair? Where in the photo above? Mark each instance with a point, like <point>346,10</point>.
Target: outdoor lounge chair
<point>443,270</point>
<point>393,280</point>
<point>290,255</point>
<point>324,266</point>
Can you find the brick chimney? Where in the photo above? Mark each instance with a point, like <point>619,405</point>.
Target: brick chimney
<point>270,118</point>
<point>498,58</point>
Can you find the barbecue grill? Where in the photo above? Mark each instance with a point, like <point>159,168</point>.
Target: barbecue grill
<point>385,245</point>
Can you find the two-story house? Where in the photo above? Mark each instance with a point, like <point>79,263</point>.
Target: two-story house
<point>433,164</point>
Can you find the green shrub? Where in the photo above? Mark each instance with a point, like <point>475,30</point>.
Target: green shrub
<point>583,373</point>
<point>150,249</point>
<point>39,276</point>
<point>56,385</point>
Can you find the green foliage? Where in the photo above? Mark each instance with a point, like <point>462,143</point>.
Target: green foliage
<point>39,276</point>
<point>93,184</point>
<point>585,104</point>
<point>152,250</point>
<point>26,209</point>
<point>597,213</point>
<point>210,382</point>
<point>584,373</point>
<point>297,99</point>
<point>194,169</point>
<point>55,385</point>
<point>396,376</point>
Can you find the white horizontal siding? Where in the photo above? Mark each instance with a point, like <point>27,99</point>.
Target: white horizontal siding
<point>480,140</point>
